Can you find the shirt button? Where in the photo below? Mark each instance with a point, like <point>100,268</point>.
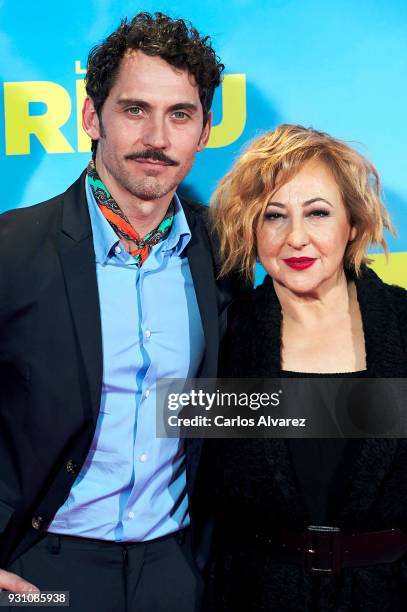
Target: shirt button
<point>37,522</point>
<point>143,457</point>
<point>147,333</point>
<point>71,467</point>
<point>117,249</point>
<point>131,515</point>
<point>147,393</point>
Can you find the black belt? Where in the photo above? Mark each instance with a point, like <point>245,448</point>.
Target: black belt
<point>326,550</point>
<point>55,541</point>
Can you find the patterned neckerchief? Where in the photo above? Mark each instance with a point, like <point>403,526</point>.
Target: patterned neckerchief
<point>120,223</point>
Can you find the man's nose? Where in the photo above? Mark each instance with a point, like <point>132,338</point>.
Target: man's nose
<point>155,133</point>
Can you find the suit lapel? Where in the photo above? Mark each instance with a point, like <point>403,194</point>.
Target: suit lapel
<point>198,252</point>
<point>79,269</point>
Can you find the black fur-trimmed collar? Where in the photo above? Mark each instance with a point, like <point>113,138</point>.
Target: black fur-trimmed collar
<point>385,345</point>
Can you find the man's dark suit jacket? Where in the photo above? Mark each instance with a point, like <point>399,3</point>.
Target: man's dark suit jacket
<point>51,357</point>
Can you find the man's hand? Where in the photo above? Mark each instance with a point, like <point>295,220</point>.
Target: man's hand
<point>12,582</point>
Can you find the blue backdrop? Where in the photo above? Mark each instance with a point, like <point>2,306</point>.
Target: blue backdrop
<point>339,67</point>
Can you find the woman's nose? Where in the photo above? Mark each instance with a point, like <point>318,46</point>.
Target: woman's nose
<point>297,236</point>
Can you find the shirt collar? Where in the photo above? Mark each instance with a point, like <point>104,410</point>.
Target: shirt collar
<point>105,238</point>
<point>180,233</point>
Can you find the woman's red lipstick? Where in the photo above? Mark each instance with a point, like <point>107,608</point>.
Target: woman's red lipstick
<point>300,263</point>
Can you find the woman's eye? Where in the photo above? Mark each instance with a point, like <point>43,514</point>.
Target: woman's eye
<point>273,216</point>
<point>319,213</point>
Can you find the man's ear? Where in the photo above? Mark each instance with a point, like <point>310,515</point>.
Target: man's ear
<point>90,119</point>
<point>206,130</point>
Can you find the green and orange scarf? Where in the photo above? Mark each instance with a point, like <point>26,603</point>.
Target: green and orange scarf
<point>120,223</point>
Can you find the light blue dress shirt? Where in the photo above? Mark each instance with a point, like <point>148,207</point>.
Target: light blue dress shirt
<point>132,486</point>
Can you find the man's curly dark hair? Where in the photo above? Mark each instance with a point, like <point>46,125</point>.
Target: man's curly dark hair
<point>174,40</point>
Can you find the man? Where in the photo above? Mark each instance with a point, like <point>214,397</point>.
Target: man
<point>106,288</point>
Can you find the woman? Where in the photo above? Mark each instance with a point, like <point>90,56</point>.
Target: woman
<point>308,207</point>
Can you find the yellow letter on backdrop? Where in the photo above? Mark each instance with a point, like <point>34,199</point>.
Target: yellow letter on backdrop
<point>20,124</point>
<point>84,141</point>
<point>233,111</point>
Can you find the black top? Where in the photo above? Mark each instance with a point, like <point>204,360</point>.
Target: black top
<point>316,461</point>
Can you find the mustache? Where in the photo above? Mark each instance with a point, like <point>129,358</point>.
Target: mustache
<point>154,155</point>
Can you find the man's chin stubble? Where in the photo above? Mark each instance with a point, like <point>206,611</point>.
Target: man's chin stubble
<point>149,190</point>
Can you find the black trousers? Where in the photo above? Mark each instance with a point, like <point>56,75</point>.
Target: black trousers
<point>154,576</point>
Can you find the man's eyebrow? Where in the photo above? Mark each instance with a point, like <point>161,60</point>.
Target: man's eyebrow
<point>306,203</point>
<point>184,106</point>
<point>123,102</point>
<point>133,102</point>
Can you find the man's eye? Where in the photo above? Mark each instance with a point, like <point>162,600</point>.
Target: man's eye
<point>180,115</point>
<point>134,110</point>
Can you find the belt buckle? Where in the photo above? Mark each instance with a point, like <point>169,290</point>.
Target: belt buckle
<point>322,548</point>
